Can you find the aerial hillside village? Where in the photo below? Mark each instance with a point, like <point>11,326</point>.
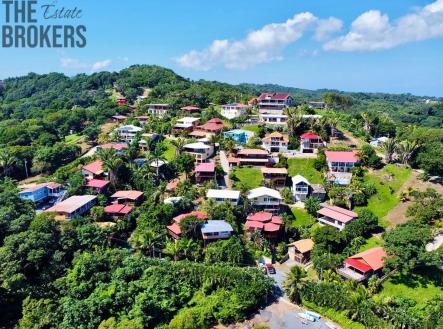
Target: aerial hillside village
<point>340,212</point>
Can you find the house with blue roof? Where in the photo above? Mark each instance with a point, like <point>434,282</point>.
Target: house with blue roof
<point>216,229</point>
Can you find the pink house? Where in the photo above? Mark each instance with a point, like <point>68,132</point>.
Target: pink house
<point>335,216</point>
<point>204,172</point>
<point>174,229</point>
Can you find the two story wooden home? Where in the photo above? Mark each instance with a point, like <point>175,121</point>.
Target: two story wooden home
<point>335,216</point>
<point>274,177</point>
<point>310,143</point>
<point>276,142</point>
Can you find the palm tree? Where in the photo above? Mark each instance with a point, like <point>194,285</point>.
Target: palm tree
<point>7,161</point>
<point>389,147</point>
<point>406,150</point>
<point>179,145</point>
<point>112,163</point>
<point>173,248</point>
<point>367,121</point>
<point>146,240</point>
<point>333,123</point>
<point>294,119</point>
<point>156,156</point>
<point>293,283</point>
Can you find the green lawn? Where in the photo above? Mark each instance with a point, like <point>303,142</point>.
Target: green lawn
<point>417,286</point>
<point>334,315</point>
<point>387,196</point>
<point>253,128</point>
<point>302,218</point>
<point>73,138</point>
<point>371,243</point>
<point>305,167</point>
<point>249,177</point>
<point>170,151</point>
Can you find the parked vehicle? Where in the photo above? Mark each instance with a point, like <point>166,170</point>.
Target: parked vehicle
<point>270,268</point>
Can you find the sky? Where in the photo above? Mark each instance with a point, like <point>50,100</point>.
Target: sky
<point>373,45</point>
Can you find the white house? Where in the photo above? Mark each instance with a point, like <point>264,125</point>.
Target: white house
<point>216,229</point>
<point>300,187</point>
<point>335,216</point>
<point>221,196</point>
<point>199,150</point>
<point>127,133</point>
<point>265,198</point>
<point>273,119</point>
<point>158,110</point>
<point>275,142</point>
<point>231,111</point>
<point>185,124</point>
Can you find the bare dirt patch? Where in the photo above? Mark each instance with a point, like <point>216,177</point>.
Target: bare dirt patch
<point>397,215</point>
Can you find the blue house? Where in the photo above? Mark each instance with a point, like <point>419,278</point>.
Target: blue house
<point>41,192</point>
<point>238,135</point>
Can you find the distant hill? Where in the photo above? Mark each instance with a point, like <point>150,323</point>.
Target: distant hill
<point>23,97</point>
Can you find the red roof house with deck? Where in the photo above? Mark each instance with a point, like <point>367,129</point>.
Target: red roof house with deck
<point>190,109</point>
<point>93,169</point>
<point>266,222</point>
<point>310,143</point>
<point>250,157</point>
<point>174,229</point>
<point>97,185</point>
<point>335,216</point>
<point>117,211</point>
<point>364,264</point>
<point>127,197</point>
<point>204,171</point>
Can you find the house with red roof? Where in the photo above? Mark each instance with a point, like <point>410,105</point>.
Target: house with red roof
<point>118,147</point>
<point>363,265</point>
<point>117,211</point>
<point>335,216</point>
<point>190,109</point>
<point>143,119</point>
<point>121,100</point>
<point>342,161</point>
<point>127,197</point>
<point>204,172</point>
<point>174,229</point>
<point>274,102</point>
<point>119,117</point>
<point>97,185</point>
<point>250,157</point>
<point>93,169</point>
<point>269,224</point>
<point>213,126</point>
<point>310,143</point>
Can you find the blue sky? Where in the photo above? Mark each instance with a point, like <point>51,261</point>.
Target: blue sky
<point>390,46</point>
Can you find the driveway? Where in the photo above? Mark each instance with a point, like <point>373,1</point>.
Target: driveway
<point>225,165</point>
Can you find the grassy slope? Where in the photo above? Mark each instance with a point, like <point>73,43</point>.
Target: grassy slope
<point>253,128</point>
<point>250,177</point>
<point>372,242</point>
<point>170,151</point>
<point>302,218</point>
<point>420,287</point>
<point>305,167</point>
<point>387,191</point>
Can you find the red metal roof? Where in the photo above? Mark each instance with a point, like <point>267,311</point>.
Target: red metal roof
<point>95,167</point>
<point>215,120</point>
<point>205,167</point>
<point>130,195</point>
<point>342,156</point>
<point>310,136</point>
<point>115,146</point>
<point>260,217</point>
<point>373,257</point>
<point>273,96</point>
<point>197,214</point>
<point>118,209</point>
<point>174,228</point>
<point>190,108</point>
<point>212,126</point>
<point>253,225</point>
<point>340,214</point>
<point>358,265</point>
<point>96,183</point>
<point>270,227</point>
<point>171,185</point>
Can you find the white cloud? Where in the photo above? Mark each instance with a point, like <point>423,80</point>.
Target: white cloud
<point>326,27</point>
<point>77,65</point>
<point>260,46</point>
<point>374,31</point>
